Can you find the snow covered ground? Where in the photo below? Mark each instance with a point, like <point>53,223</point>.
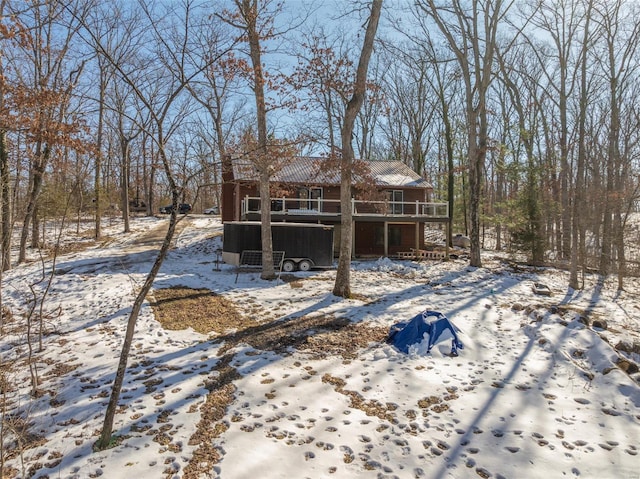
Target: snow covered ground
<point>534,393</point>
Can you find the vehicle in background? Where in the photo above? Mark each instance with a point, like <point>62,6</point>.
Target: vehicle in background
<point>183,209</point>
<point>214,210</point>
<point>138,206</point>
<point>461,241</point>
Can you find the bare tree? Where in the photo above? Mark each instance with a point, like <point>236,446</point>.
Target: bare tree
<point>9,34</point>
<point>621,34</point>
<point>412,104</point>
<point>422,108</point>
<point>128,126</point>
<point>107,22</point>
<point>578,227</point>
<point>161,96</point>
<point>370,114</point>
<point>215,93</point>
<point>48,84</point>
<point>520,77</point>
<point>255,20</point>
<point>323,73</point>
<point>5,204</point>
<point>342,286</point>
<point>562,21</point>
<point>470,29</point>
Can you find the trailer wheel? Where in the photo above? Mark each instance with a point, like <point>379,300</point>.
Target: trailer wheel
<point>305,265</point>
<point>288,266</point>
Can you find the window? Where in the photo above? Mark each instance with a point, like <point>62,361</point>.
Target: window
<point>310,198</point>
<point>378,238</point>
<point>395,235</point>
<point>303,195</point>
<point>315,202</point>
<point>396,197</point>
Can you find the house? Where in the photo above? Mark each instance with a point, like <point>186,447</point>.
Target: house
<point>390,204</point>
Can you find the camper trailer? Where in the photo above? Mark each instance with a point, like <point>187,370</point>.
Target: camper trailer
<point>305,245</point>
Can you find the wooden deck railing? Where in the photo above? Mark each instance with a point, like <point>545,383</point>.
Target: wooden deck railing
<point>321,206</point>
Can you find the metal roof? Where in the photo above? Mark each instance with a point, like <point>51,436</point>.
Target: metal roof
<point>317,171</point>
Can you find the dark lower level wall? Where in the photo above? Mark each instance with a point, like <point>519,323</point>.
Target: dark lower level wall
<point>369,238</point>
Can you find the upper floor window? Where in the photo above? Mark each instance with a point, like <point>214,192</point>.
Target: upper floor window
<point>310,198</point>
<point>396,198</point>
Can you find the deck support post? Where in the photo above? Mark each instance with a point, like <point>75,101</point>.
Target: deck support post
<point>386,239</point>
<point>446,240</point>
<point>353,240</point>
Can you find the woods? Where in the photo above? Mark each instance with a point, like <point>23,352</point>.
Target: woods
<point>521,114</point>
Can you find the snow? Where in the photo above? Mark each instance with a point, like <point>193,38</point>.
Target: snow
<point>534,393</point>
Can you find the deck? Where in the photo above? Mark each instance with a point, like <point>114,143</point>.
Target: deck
<point>297,209</point>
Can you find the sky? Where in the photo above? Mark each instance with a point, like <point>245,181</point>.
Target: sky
<point>534,393</point>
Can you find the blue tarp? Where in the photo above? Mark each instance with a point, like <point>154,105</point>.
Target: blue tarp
<point>426,329</point>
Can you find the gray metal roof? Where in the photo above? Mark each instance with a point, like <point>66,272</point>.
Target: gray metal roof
<point>316,171</point>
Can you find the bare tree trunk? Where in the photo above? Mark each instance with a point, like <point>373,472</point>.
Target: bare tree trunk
<point>342,285</point>
<point>268,270</point>
<point>611,219</point>
<point>607,224</point>
<point>160,111</point>
<point>124,182</point>
<point>6,228</point>
<point>222,149</point>
<point>448,134</point>
<point>37,174</point>
<point>619,243</point>
<point>499,198</point>
<point>470,31</point>
<point>577,226</point>
<point>249,9</point>
<point>152,182</point>
<point>107,428</point>
<point>33,365</point>
<point>520,99</point>
<point>36,221</point>
<point>145,174</point>
<point>97,187</point>
<point>440,89</point>
<point>565,172</point>
<point>150,197</point>
<point>477,152</point>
